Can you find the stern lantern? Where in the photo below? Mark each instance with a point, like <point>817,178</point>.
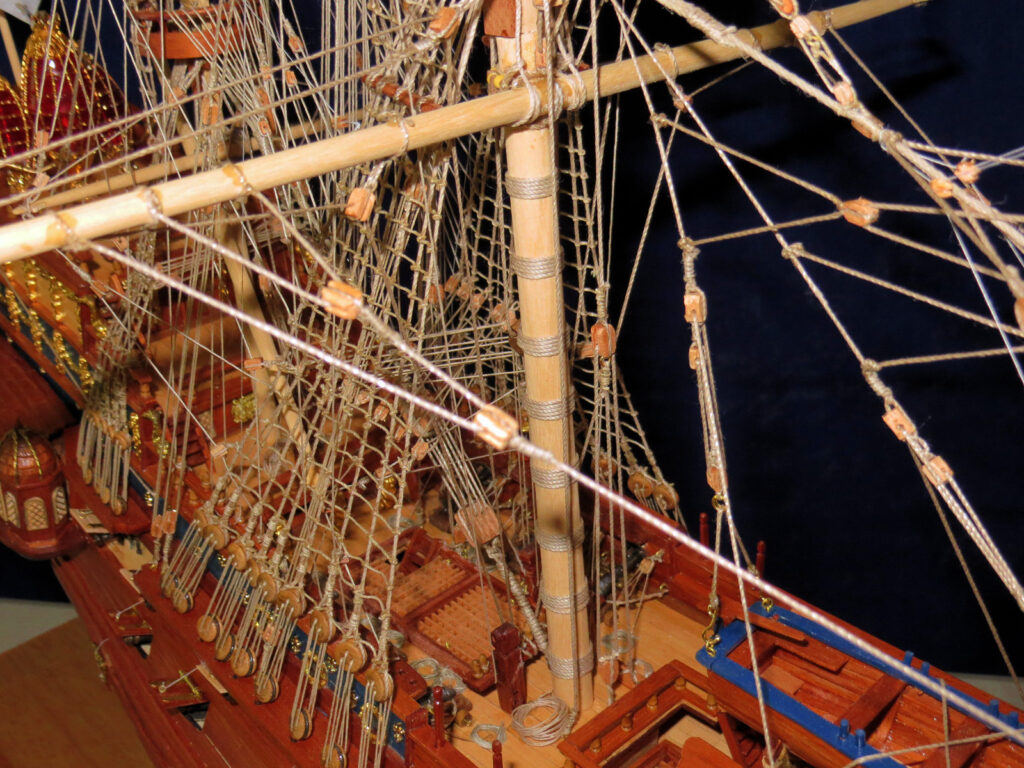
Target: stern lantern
<point>34,519</point>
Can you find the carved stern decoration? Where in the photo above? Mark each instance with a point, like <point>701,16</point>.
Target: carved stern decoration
<point>34,511</point>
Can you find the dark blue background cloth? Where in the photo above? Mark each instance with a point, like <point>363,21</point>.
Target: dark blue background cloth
<point>813,469</point>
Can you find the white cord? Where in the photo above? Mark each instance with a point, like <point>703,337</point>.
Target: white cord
<point>547,731</point>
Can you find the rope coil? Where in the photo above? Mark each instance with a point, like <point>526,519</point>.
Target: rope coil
<point>541,346</point>
<point>559,542</point>
<point>548,730</point>
<point>536,269</point>
<point>547,410</point>
<point>530,188</point>
<point>566,669</point>
<point>566,604</point>
<point>549,478</point>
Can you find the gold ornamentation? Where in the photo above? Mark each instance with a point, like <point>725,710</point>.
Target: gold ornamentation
<point>163,447</point>
<point>62,353</point>
<point>57,300</point>
<point>320,680</point>
<point>101,661</point>
<point>31,279</point>
<point>84,375</point>
<point>243,409</point>
<point>369,716</point>
<point>36,329</point>
<point>13,306</point>
<point>133,424</point>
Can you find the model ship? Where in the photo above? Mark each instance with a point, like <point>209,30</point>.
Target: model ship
<point>358,479</point>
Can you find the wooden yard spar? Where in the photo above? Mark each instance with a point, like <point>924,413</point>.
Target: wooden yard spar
<point>130,210</point>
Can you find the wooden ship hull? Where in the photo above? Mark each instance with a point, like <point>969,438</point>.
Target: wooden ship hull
<point>244,620</point>
<point>826,702</point>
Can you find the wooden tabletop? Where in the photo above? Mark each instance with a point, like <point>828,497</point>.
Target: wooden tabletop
<point>55,711</point>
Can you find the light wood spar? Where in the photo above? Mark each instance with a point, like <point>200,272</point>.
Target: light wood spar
<point>532,190</point>
<point>130,210</point>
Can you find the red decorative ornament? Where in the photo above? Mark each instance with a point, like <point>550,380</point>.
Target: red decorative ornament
<point>14,137</point>
<point>34,515</point>
<point>66,93</point>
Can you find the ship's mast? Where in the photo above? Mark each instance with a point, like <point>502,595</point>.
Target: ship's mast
<point>532,187</point>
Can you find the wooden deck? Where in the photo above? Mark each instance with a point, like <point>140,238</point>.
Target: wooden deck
<point>665,635</point>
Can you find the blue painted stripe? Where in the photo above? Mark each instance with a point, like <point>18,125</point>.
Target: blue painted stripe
<point>852,745</point>
<point>826,636</point>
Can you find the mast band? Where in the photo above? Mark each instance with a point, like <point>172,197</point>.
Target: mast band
<point>559,542</point>
<point>549,478</point>
<point>547,410</point>
<point>530,188</point>
<point>541,346</point>
<point>565,669</point>
<point>566,604</point>
<point>536,269</point>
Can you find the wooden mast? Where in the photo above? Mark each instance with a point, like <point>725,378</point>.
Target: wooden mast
<point>111,215</point>
<point>532,187</point>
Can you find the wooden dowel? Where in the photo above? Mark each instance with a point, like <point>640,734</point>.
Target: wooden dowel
<point>12,50</point>
<point>176,166</point>
<point>535,237</point>
<point>130,210</point>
